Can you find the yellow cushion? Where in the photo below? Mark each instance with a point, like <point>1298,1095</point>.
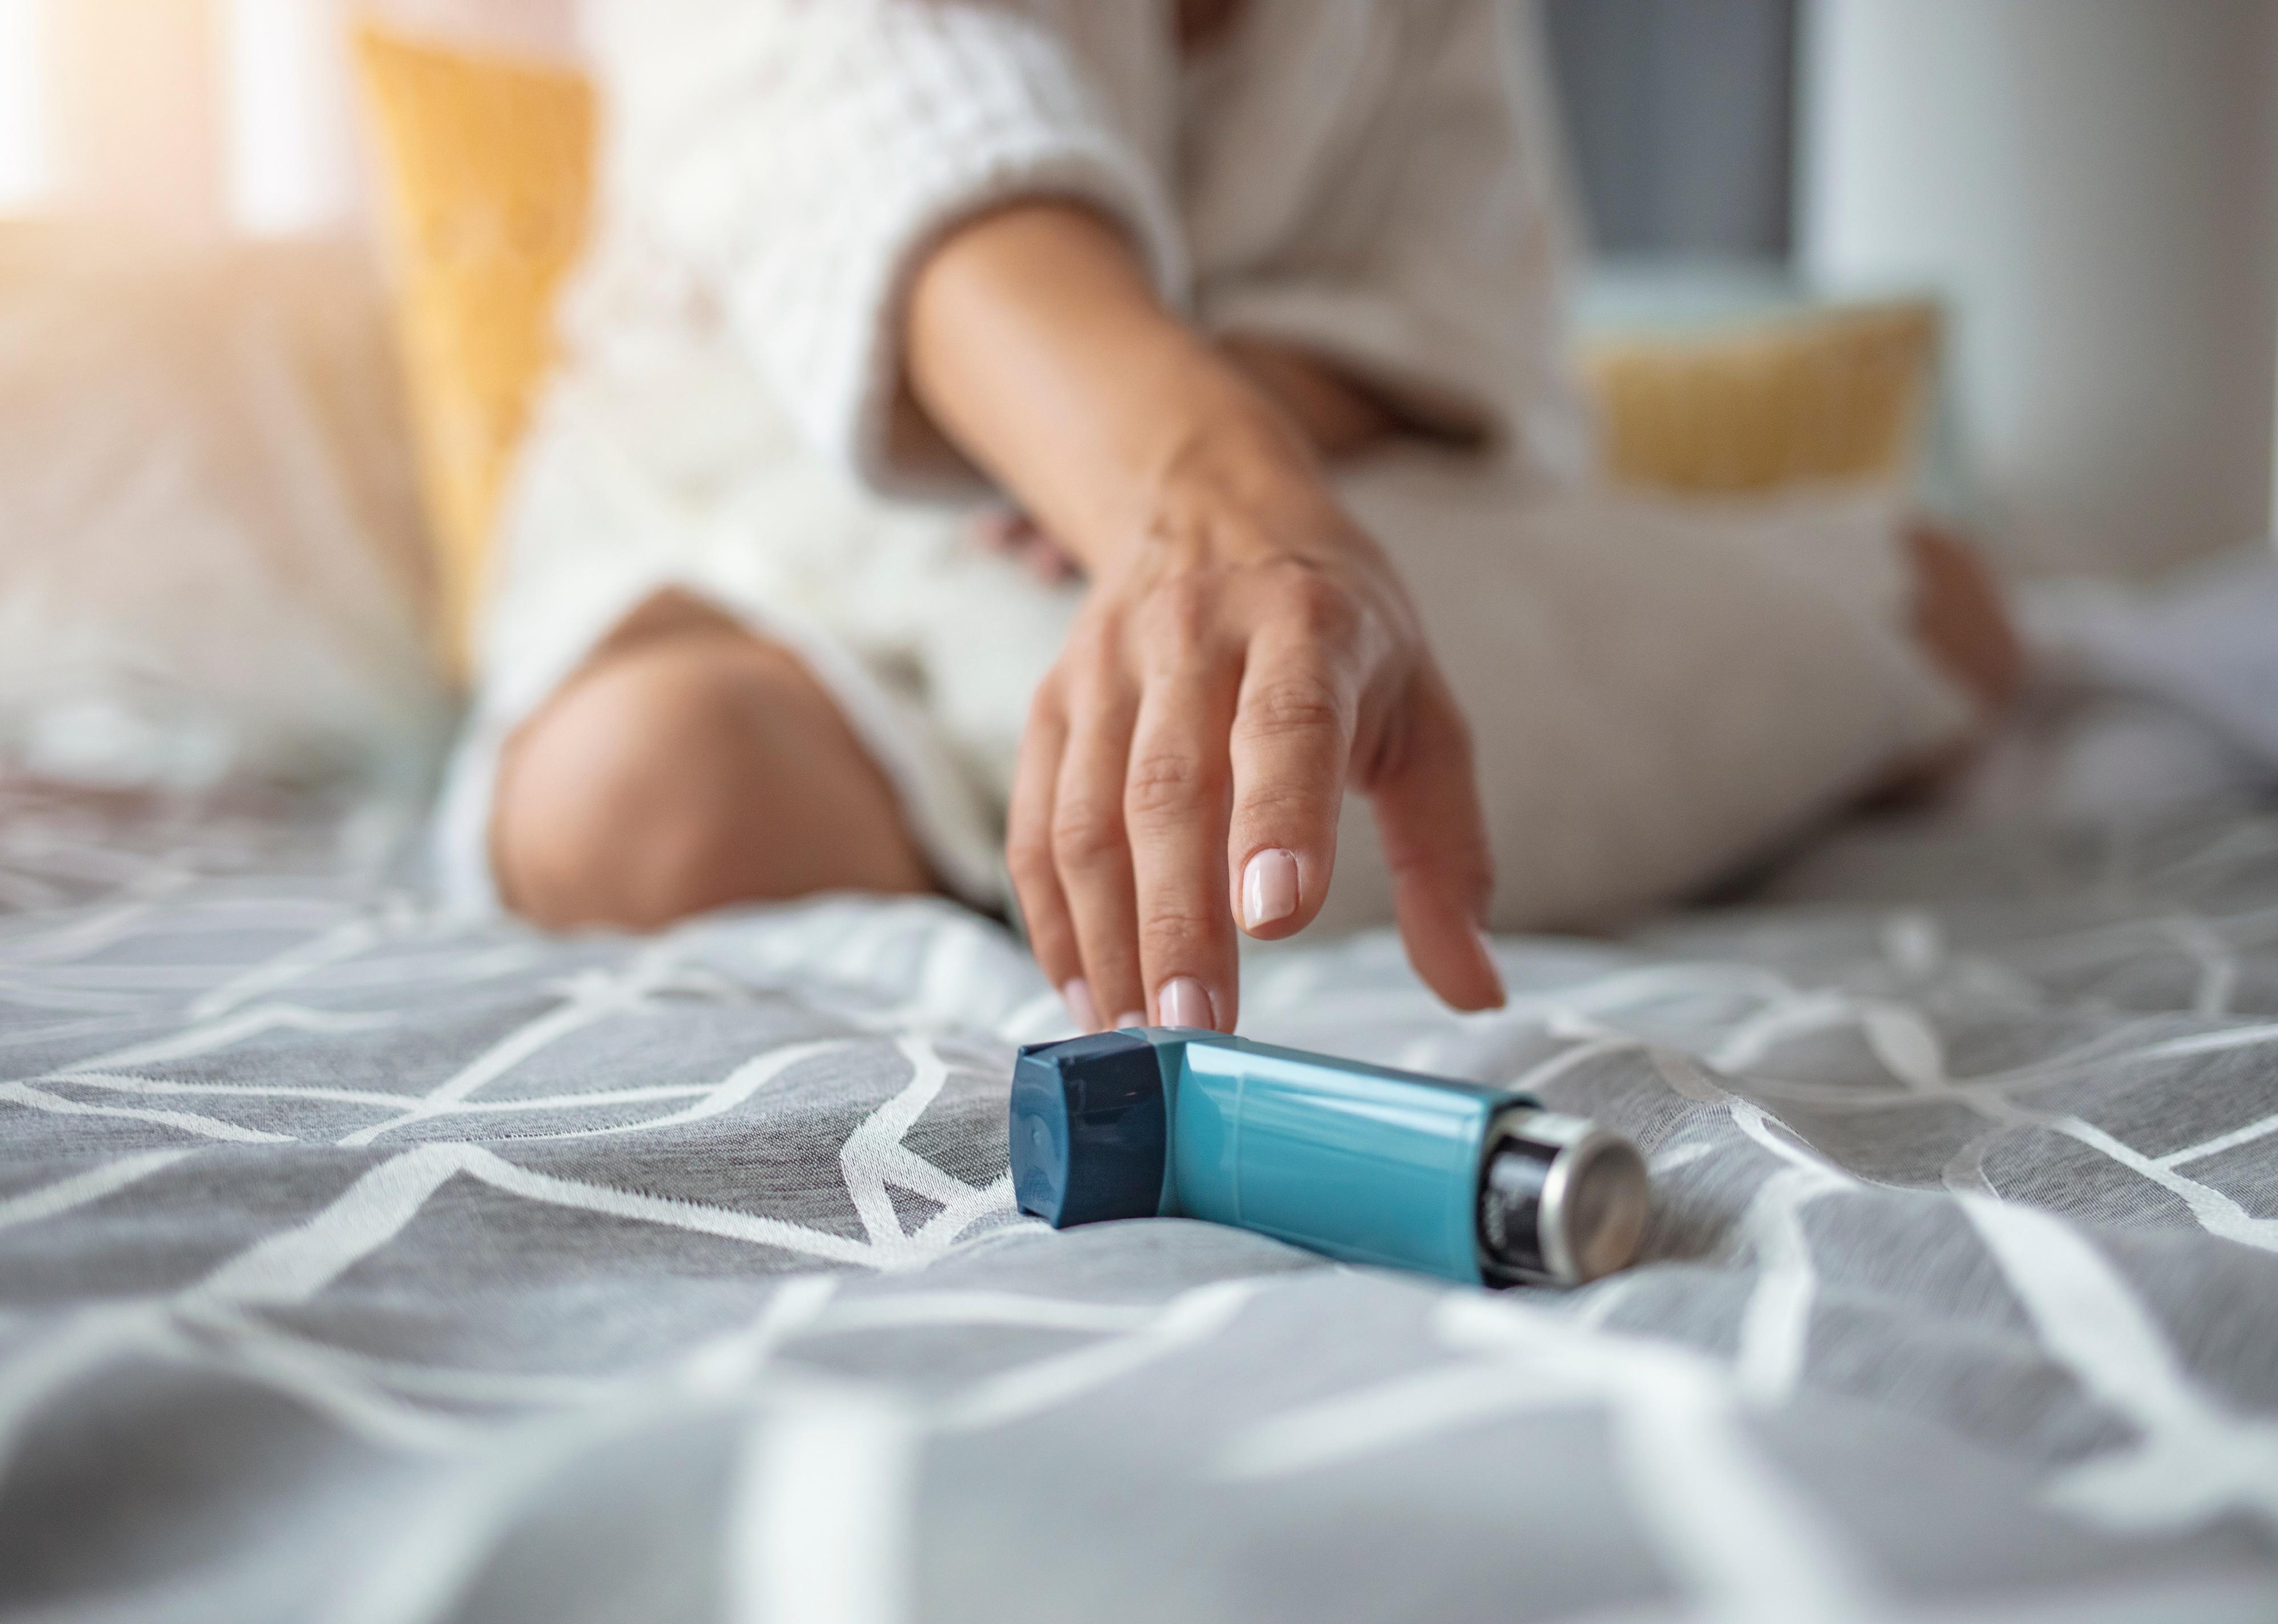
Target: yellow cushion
<point>1837,396</point>
<point>487,168</point>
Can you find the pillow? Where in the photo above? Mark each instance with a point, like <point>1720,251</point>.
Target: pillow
<point>488,174</point>
<point>1834,396</point>
<point>211,553</point>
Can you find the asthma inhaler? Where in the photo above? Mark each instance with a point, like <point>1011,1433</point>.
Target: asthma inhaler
<point>1474,1184</point>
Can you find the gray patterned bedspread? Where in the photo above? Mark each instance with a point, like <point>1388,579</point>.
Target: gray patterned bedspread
<point>358,1264</point>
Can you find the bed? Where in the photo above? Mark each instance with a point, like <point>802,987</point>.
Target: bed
<point>362,1263</point>
<point>367,1264</point>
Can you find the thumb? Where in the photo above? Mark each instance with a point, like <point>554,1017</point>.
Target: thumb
<point>1435,844</point>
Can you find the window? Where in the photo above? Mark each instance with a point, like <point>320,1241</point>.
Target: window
<point>191,116</point>
<point>25,162</point>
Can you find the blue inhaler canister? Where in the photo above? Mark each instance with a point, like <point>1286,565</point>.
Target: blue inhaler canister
<point>1471,1182</point>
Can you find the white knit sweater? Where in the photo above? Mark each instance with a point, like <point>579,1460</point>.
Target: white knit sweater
<point>1349,173</point>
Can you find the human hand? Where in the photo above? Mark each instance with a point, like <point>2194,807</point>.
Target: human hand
<point>1008,531</point>
<point>1251,655</point>
<point>1336,418</point>
<point>1243,653</point>
<point>1960,616</point>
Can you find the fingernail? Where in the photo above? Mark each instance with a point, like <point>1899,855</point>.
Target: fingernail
<point>1269,888</point>
<point>1134,1017</point>
<point>1185,1003</point>
<point>1487,952</point>
<point>1077,993</point>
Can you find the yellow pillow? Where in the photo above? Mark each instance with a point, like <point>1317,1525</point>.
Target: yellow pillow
<point>1836,396</point>
<point>488,169</point>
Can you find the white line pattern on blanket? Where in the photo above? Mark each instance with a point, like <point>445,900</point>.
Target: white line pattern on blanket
<point>467,1274</point>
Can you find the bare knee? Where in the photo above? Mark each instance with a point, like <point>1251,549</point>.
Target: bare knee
<point>684,774</point>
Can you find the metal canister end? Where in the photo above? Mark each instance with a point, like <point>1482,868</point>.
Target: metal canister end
<point>1560,1199</point>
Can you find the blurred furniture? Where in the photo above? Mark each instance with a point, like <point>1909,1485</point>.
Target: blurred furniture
<point>2090,185</point>
<point>1812,396</point>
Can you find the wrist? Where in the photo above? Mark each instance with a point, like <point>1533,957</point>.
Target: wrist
<point>1243,493</point>
<point>1226,476</point>
<point>1339,417</point>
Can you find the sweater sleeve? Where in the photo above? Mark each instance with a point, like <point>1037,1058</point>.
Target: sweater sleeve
<point>1448,290</point>
<point>804,155</point>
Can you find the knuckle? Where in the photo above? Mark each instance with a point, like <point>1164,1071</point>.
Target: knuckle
<point>1177,616</point>
<point>1092,668</point>
<point>1163,784</point>
<point>1045,706</point>
<point>1428,731</point>
<point>1178,935</point>
<point>1322,611</point>
<point>1287,811</point>
<point>1085,832</point>
<point>1028,854</point>
<point>1292,703</point>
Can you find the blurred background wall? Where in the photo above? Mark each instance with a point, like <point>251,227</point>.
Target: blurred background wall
<point>2093,185</point>
<point>1681,116</point>
<point>2090,185</point>
<point>204,117</point>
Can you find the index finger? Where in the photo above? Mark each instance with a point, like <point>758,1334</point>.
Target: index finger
<point>1176,807</point>
<point>1291,746</point>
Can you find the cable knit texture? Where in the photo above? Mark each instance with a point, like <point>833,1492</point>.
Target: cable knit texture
<point>1348,175</point>
<point>806,155</point>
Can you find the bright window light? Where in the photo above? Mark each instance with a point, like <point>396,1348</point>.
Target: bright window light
<point>26,163</point>
<point>286,95</point>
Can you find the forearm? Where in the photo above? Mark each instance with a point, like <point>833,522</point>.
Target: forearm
<point>1036,346</point>
<point>1338,415</point>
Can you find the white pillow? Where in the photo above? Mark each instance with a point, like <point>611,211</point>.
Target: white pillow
<point>210,560</point>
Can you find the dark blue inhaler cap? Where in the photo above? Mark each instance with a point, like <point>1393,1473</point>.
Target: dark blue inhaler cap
<point>1091,1130</point>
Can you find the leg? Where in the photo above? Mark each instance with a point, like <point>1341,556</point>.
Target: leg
<point>689,764</point>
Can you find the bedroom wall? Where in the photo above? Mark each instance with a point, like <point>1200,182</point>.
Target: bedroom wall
<point>131,112</point>
<point>24,144</point>
<point>203,118</point>
<point>288,98</point>
<point>2093,183</point>
<point>1679,116</point>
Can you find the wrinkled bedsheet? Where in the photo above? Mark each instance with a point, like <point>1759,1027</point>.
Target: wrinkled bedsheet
<point>360,1264</point>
